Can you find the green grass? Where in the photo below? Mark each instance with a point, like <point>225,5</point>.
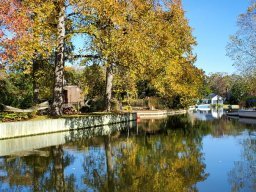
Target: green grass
<point>14,117</point>
<point>231,106</point>
<point>90,114</point>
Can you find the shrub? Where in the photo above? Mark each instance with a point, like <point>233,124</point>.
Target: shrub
<point>115,105</point>
<point>69,110</point>
<point>10,117</point>
<point>156,103</point>
<point>139,103</point>
<point>217,105</point>
<point>1,108</point>
<point>250,102</point>
<point>32,114</point>
<point>127,108</point>
<point>97,104</point>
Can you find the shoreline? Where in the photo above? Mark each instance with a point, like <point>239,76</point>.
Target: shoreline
<point>38,127</point>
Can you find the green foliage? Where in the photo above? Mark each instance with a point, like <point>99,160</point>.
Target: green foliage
<point>217,105</point>
<point>33,114</point>
<point>90,79</point>
<point>115,105</point>
<point>150,49</point>
<point>96,105</point>
<point>44,77</point>
<point>139,102</point>
<point>94,81</point>
<point>250,101</point>
<point>73,76</point>
<point>155,103</point>
<point>1,108</point>
<point>11,117</point>
<point>127,108</point>
<point>145,89</point>
<point>174,102</point>
<point>235,88</point>
<point>16,90</point>
<point>220,83</point>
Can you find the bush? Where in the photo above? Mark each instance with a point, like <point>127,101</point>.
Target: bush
<point>32,114</point>
<point>115,105</point>
<point>127,108</point>
<point>97,104</point>
<point>70,110</point>
<point>1,108</point>
<point>10,117</point>
<point>250,102</point>
<point>217,105</point>
<point>156,103</point>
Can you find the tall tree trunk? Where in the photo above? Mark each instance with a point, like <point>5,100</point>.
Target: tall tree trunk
<point>109,84</point>
<point>59,62</point>
<point>35,68</point>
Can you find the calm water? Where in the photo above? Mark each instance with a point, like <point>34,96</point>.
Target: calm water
<point>194,152</point>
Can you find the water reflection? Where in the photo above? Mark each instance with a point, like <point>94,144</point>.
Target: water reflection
<point>169,154</point>
<point>242,177</point>
<point>37,172</point>
<point>206,114</point>
<point>150,162</point>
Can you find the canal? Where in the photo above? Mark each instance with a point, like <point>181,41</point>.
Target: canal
<point>200,151</point>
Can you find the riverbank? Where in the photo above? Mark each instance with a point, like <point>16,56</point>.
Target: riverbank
<point>28,145</point>
<point>37,127</point>
<point>144,114</point>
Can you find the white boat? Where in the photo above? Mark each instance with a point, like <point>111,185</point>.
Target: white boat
<point>250,121</point>
<point>247,113</point>
<point>233,113</point>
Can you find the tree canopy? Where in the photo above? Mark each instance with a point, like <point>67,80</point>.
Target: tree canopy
<point>241,47</point>
<point>131,41</point>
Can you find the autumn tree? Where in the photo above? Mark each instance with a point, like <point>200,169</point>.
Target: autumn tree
<point>177,77</point>
<point>146,40</point>
<point>91,79</point>
<point>241,47</point>
<point>239,89</point>
<point>104,18</point>
<point>25,38</point>
<point>134,40</point>
<point>220,83</point>
<point>242,50</point>
<point>34,31</point>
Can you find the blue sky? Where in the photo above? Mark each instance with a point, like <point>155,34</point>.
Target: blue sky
<point>213,22</point>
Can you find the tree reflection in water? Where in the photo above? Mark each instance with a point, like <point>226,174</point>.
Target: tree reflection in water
<point>157,155</point>
<point>38,171</point>
<point>243,175</point>
<point>159,159</point>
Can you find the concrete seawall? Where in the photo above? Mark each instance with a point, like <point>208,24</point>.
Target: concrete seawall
<point>29,128</point>
<point>154,114</point>
<point>33,144</point>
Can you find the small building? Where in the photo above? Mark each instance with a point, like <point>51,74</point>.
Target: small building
<point>213,99</point>
<point>72,94</point>
<point>217,100</point>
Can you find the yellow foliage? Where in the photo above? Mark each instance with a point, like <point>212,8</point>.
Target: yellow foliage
<point>148,43</point>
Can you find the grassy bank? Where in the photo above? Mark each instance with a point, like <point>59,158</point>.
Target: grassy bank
<point>14,117</point>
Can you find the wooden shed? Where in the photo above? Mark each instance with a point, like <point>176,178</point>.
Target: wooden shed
<point>73,95</point>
